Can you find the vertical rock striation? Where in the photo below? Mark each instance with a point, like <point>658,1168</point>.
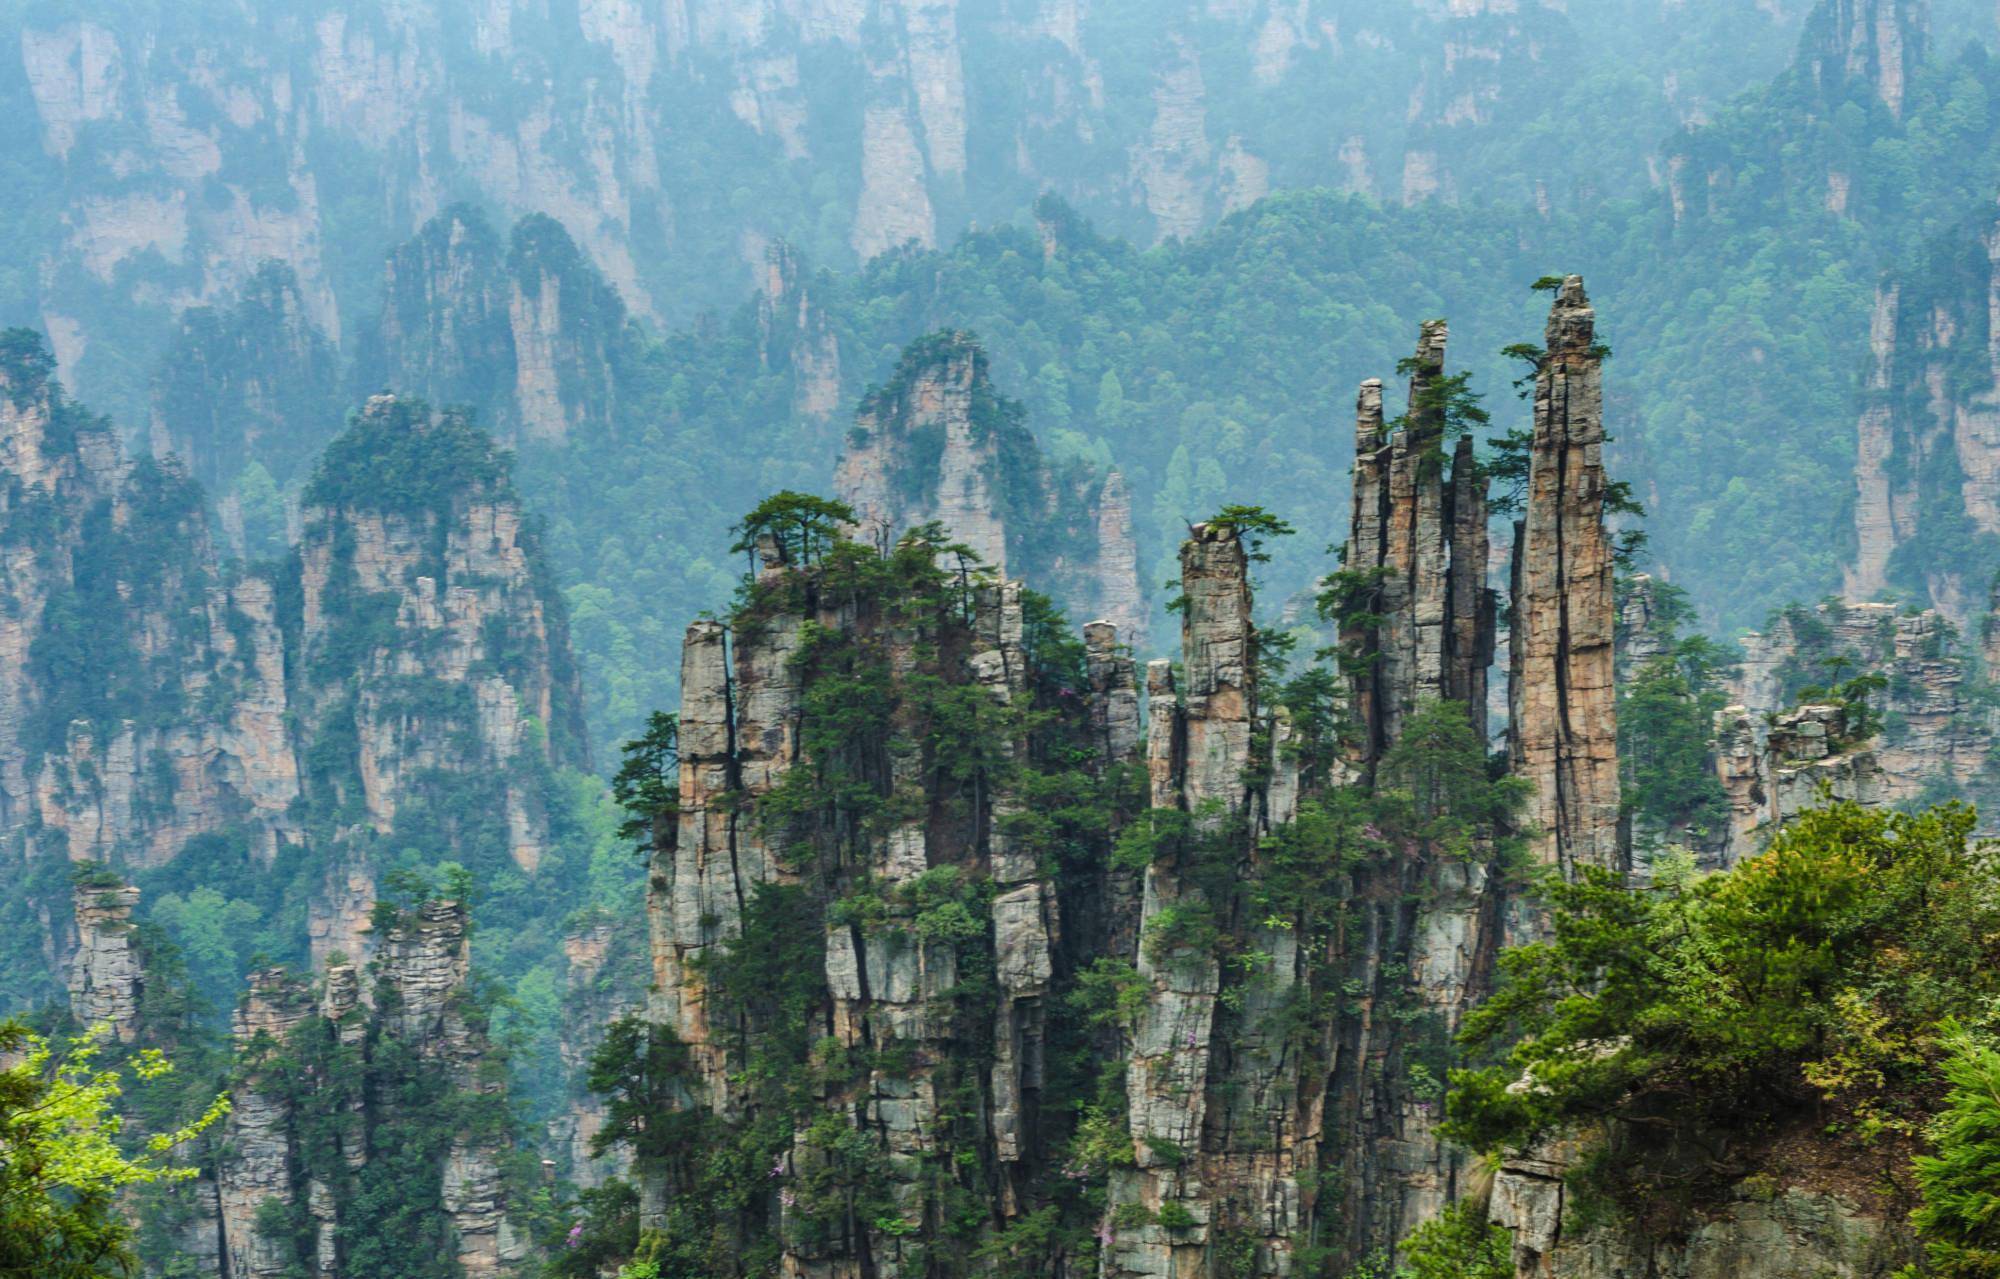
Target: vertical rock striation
<point>1416,562</point>
<point>526,333</point>
<point>1928,733</point>
<point>259,1163</point>
<point>1875,45</point>
<point>928,935</point>
<point>142,696</point>
<point>105,975</point>
<point>464,679</point>
<point>939,442</point>
<point>1928,429</point>
<point>1563,734</point>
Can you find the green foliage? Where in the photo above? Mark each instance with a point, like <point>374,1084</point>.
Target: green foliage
<point>1960,1215</point>
<point>803,525</point>
<point>641,1069</point>
<point>400,458</point>
<point>62,1166</point>
<point>1433,786</point>
<point>1254,525</point>
<point>1458,1243</point>
<point>647,784</point>
<point>1661,1017</point>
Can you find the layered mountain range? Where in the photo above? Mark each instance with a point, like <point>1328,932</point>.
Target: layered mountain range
<point>973,935</point>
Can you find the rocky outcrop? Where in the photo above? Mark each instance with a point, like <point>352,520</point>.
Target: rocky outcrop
<point>142,696</point>
<point>324,1086</point>
<point>1562,735</point>
<point>604,958</point>
<point>1928,429</point>
<point>795,334</point>
<point>1220,1125</point>
<point>463,680</point>
<point>1645,632</point>
<point>1875,45</point>
<point>526,334</point>
<point>939,442</point>
<point>1883,508</point>
<point>1757,1232</point>
<point>1416,562</point>
<point>421,975</point>
<point>153,703</point>
<point>887,980</point>
<point>1930,733</point>
<point>1771,774</point>
<point>105,974</point>
<point>259,1163</point>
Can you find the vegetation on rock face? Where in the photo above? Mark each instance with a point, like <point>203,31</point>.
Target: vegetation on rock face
<point>63,1166</point>
<point>1681,1026</point>
<point>401,458</point>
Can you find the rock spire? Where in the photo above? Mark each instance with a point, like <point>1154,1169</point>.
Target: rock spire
<point>1416,560</point>
<point>1563,735</point>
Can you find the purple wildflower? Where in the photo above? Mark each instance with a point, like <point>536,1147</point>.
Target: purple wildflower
<point>576,1235</point>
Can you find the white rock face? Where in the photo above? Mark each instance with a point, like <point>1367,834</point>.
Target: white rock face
<point>105,976</point>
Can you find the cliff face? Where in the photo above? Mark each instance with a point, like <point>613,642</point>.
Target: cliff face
<point>1563,733</point>
<point>1926,737</point>
<point>525,333</point>
<point>1417,553</point>
<point>141,694</point>
<point>158,712</point>
<point>1876,44</point>
<point>940,443</point>
<point>922,941</point>
<point>191,152</point>
<point>105,973</point>
<point>432,641</point>
<point>353,1128</point>
<point>1928,434</point>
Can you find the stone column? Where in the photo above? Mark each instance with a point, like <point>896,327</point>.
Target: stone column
<point>1564,732</point>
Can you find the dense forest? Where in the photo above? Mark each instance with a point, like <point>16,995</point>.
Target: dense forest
<point>681,640</point>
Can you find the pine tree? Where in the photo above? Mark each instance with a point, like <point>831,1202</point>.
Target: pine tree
<point>1960,1216</point>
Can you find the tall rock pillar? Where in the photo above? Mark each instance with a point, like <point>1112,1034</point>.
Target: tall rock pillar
<point>1422,627</point>
<point>1564,732</point>
<point>105,975</point>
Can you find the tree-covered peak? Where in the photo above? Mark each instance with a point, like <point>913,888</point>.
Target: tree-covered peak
<point>929,356</point>
<point>26,365</point>
<point>398,456</point>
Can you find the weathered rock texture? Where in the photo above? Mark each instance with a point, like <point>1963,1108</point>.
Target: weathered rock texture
<point>106,975</point>
<point>1928,435</point>
<point>319,1091</point>
<point>1418,632</point>
<point>1794,1233</point>
<point>525,333</point>
<point>464,683</point>
<point>1772,773</point>
<point>1417,553</point>
<point>604,965</point>
<point>937,1082</point>
<point>260,1162</point>
<point>940,443</point>
<point>188,153</point>
<point>151,702</point>
<point>794,333</point>
<point>142,696</point>
<point>1873,43</point>
<point>1935,731</point>
<point>1563,735</point>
